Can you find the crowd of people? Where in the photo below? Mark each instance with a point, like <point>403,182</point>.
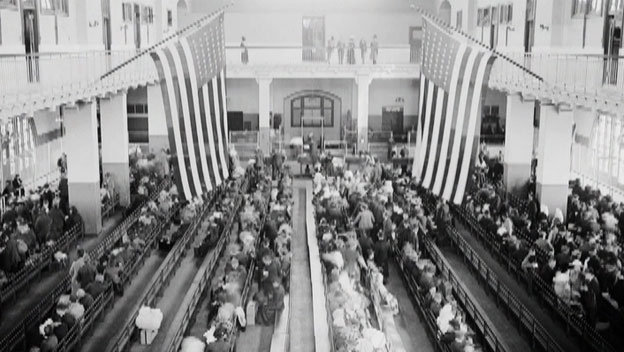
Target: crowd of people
<point>386,212</point>
<point>579,256</point>
<point>31,223</point>
<point>91,277</point>
<point>259,241</point>
<point>349,48</point>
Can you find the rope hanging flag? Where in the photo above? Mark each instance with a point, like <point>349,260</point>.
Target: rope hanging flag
<point>447,26</point>
<point>194,25</point>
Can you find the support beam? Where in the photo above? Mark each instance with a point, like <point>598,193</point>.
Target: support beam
<point>114,130</point>
<point>553,165</point>
<point>157,121</point>
<point>518,143</point>
<point>363,83</point>
<point>83,164</point>
<point>264,114</point>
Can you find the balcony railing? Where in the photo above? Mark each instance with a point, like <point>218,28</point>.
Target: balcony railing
<point>66,77</point>
<point>280,55</point>
<point>564,74</point>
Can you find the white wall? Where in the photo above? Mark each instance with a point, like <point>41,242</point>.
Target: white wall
<point>393,92</point>
<point>11,38</point>
<point>563,34</point>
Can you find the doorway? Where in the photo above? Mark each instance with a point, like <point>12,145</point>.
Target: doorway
<point>313,39</point>
<point>106,25</point>
<point>30,32</point>
<point>137,26</point>
<point>415,40</point>
<point>392,120</point>
<point>529,28</point>
<point>611,45</point>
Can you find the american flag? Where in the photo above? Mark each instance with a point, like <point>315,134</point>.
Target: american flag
<point>452,84</point>
<point>192,81</point>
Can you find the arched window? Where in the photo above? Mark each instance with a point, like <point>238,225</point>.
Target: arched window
<point>445,11</point>
<point>312,105</point>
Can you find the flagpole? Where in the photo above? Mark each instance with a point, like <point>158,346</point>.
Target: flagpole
<point>209,17</point>
<point>442,23</point>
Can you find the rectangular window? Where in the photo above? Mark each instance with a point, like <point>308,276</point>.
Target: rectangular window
<point>47,7</point>
<point>8,4</point>
<point>479,17</point>
<point>509,13</point>
<point>486,16</point>
<point>170,18</point>
<point>459,20</point>
<point>126,12</point>
<point>589,7</point>
<point>494,15</point>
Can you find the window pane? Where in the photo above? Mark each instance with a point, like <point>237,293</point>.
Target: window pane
<point>296,117</point>
<point>296,103</point>
<point>312,102</point>
<point>328,117</point>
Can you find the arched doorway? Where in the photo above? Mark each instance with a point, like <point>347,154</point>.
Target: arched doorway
<point>183,13</point>
<point>445,11</point>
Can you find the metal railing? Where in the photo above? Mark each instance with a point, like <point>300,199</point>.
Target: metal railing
<point>583,74</point>
<point>244,137</point>
<point>37,262</point>
<point>52,71</point>
<point>539,334</point>
<point>503,294</point>
<point>297,54</point>
<point>34,316</point>
<point>201,282</point>
<point>161,278</point>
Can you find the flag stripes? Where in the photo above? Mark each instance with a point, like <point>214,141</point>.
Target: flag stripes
<point>192,76</point>
<point>449,112</point>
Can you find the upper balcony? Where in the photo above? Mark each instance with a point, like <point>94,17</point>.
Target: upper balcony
<point>396,61</point>
<point>588,81</point>
<point>44,81</point>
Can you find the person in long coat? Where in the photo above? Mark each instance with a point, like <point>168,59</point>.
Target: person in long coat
<point>341,51</point>
<point>351,52</point>
<point>363,49</point>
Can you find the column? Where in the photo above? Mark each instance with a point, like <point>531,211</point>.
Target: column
<point>553,163</point>
<point>264,114</point>
<point>156,119</point>
<point>518,142</point>
<point>83,164</point>
<point>114,131</point>
<point>363,83</point>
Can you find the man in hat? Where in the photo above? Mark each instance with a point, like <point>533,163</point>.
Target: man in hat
<point>364,220</point>
<point>96,287</point>
<point>330,48</point>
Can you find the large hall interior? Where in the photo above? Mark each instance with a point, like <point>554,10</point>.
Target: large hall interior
<point>311,175</point>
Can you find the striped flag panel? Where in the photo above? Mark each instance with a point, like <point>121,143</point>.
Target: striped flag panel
<point>453,80</point>
<point>192,81</point>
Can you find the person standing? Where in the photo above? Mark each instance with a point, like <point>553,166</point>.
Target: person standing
<point>363,50</point>
<point>341,51</point>
<point>382,249</point>
<point>351,52</point>
<point>374,47</point>
<point>244,52</point>
<point>330,49</point>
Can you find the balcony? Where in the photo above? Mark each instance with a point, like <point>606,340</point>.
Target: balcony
<point>393,61</point>
<point>43,81</point>
<point>590,81</point>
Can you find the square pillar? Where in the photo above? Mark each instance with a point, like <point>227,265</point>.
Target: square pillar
<point>264,114</point>
<point>518,143</point>
<point>156,120</point>
<point>114,130</point>
<point>83,164</point>
<point>363,84</point>
<point>553,165</point>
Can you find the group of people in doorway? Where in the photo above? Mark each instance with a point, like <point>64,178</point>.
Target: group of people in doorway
<point>349,48</point>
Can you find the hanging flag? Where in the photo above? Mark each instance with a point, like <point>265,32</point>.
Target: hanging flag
<point>453,79</point>
<point>192,80</point>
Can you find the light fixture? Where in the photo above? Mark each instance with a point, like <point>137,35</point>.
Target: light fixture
<point>544,27</point>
